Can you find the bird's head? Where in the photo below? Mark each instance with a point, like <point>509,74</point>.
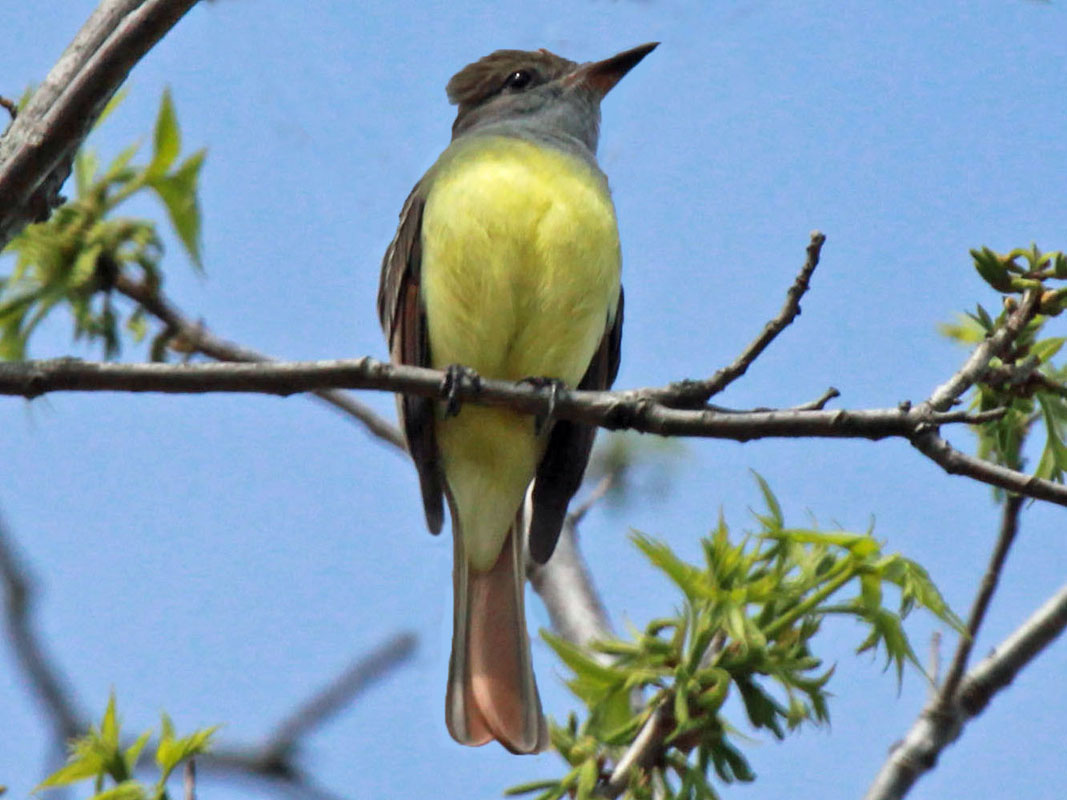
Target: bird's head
<point>537,93</point>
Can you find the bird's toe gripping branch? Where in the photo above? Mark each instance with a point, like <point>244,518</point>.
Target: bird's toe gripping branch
<point>456,378</point>
<point>554,386</point>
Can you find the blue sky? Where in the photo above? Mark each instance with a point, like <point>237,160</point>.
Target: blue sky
<point>220,557</point>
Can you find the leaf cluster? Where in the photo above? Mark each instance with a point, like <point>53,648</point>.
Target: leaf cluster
<point>100,756</point>
<point>73,259</point>
<point>747,625</point>
<point>1027,382</point>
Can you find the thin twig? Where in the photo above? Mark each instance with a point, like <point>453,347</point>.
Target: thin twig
<point>189,780</point>
<point>935,662</point>
<point>1009,527</point>
<point>40,670</point>
<point>945,395</point>
<point>10,107</point>
<point>690,393</point>
<point>197,337</point>
<point>641,753</point>
<point>597,494</point>
<point>340,692</point>
<point>820,402</point>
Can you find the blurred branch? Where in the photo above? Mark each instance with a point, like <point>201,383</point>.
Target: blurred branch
<point>565,584</point>
<point>634,409</point>
<point>275,760</point>
<point>943,719</point>
<point>189,780</point>
<point>42,675</point>
<point>37,150</point>
<point>197,338</point>
<point>339,693</point>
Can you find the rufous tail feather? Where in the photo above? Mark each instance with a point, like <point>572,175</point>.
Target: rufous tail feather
<point>491,688</point>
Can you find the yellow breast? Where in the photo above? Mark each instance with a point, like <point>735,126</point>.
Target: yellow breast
<point>520,267</point>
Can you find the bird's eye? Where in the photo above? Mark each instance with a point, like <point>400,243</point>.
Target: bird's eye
<point>518,80</point>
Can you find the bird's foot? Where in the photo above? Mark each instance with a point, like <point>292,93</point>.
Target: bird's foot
<point>554,386</point>
<point>456,377</point>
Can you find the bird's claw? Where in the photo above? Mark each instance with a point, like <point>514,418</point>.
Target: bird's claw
<point>554,386</point>
<point>456,377</point>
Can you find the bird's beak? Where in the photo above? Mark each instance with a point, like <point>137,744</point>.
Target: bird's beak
<point>601,76</point>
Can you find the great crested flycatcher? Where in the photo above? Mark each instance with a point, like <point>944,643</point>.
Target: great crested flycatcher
<point>506,261</point>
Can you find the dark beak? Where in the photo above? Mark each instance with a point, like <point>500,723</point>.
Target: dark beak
<point>601,76</point>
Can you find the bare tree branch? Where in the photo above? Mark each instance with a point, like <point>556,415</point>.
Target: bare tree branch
<point>37,150</point>
<point>1000,668</point>
<point>196,337</point>
<point>189,780</point>
<point>1009,526</point>
<point>275,760</point>
<point>696,393</point>
<point>339,693</point>
<point>566,586</point>
<point>945,395</point>
<point>614,410</point>
<point>941,723</point>
<point>42,676</point>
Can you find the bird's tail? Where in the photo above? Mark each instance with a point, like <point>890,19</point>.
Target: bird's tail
<point>491,688</point>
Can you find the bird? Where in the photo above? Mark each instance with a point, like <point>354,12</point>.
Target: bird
<point>506,264</point>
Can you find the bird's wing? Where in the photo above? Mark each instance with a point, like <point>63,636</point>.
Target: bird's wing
<point>561,469</point>
<point>403,319</point>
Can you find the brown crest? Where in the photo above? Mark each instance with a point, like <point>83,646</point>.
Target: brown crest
<point>477,82</point>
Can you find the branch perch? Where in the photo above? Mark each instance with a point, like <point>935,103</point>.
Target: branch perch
<point>635,409</point>
<point>199,339</point>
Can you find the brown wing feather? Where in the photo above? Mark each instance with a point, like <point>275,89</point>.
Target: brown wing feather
<point>404,321</point>
<point>561,469</point>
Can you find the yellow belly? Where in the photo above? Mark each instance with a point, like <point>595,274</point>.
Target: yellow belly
<point>520,275</point>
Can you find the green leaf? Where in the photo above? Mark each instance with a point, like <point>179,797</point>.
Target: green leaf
<point>85,266</point>
<point>133,752</point>
<point>969,329</point>
<point>112,104</point>
<point>178,193</point>
<point>120,162</point>
<point>77,770</point>
<point>167,141</point>
<point>533,786</point>
<point>770,500</point>
<point>687,577</point>
<point>1045,349</point>
<point>992,269</point>
<point>588,775</point>
<point>109,725</point>
<point>1060,266</point>
<point>582,662</point>
<point>171,751</point>
<point>137,324</point>
<point>127,790</point>
<point>762,709</point>
<point>85,165</point>
<point>871,591</point>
